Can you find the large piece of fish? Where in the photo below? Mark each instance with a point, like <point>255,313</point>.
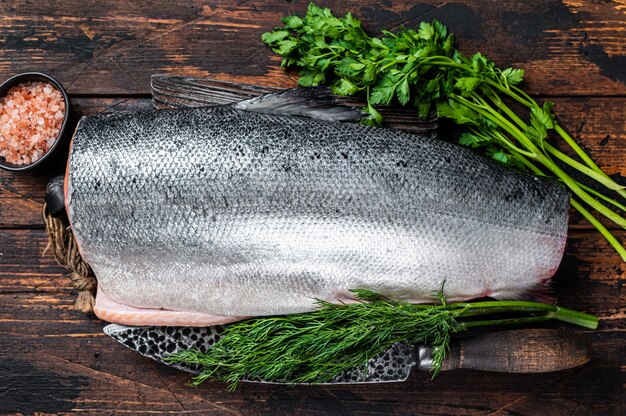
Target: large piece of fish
<point>204,216</point>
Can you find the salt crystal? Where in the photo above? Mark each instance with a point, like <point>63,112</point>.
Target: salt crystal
<point>32,114</point>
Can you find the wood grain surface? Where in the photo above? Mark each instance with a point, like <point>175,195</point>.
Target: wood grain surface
<point>54,359</point>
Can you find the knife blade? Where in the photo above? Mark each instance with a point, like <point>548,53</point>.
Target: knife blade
<point>512,351</point>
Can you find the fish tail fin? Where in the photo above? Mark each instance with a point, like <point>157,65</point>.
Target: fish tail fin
<point>314,102</point>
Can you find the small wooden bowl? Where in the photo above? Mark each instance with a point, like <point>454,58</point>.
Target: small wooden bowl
<point>32,77</point>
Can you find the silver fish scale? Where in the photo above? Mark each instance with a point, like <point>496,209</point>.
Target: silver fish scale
<point>231,212</point>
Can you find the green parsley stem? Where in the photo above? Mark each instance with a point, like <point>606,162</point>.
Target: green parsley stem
<point>534,169</point>
<point>583,155</point>
<point>522,97</point>
<point>527,100</point>
<point>579,151</point>
<point>601,228</point>
<point>530,103</point>
<point>505,108</point>
<point>502,139</point>
<point>600,177</point>
<point>603,179</point>
<point>544,159</point>
<point>392,63</point>
<point>487,111</point>
<point>594,173</point>
<point>602,196</point>
<point>573,186</point>
<point>591,170</point>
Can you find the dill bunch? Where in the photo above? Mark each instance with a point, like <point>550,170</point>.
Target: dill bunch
<point>314,347</point>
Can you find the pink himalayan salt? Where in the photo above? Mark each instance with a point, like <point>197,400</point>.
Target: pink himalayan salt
<point>31,116</point>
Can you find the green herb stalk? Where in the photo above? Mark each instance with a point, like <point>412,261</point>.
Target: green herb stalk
<point>422,68</point>
<point>314,347</point>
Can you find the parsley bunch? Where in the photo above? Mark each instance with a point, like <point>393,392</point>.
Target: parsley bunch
<point>423,68</point>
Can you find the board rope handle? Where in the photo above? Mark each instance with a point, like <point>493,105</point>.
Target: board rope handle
<point>63,245</point>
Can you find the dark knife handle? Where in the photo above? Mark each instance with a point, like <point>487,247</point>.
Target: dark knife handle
<point>515,351</point>
<point>55,196</point>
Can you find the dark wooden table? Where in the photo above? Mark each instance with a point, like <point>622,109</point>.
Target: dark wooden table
<point>55,359</point>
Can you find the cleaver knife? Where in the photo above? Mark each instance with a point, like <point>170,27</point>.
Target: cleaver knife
<point>511,351</point>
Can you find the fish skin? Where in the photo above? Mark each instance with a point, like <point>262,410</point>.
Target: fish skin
<point>111,311</point>
<point>228,212</point>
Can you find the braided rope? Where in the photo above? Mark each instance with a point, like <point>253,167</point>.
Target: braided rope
<point>65,250</point>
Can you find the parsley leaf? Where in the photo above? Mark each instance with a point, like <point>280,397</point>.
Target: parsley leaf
<point>344,87</point>
<point>384,90</point>
<point>513,76</point>
<point>468,84</point>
